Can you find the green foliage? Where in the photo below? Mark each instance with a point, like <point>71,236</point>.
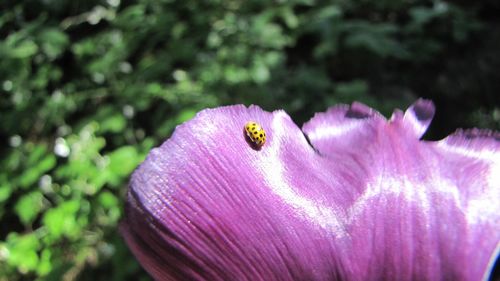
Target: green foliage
<point>87,88</point>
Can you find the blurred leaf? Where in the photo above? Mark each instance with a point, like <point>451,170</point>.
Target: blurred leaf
<point>5,192</point>
<point>114,123</point>
<point>377,38</point>
<point>260,72</point>
<point>185,115</point>
<point>21,251</point>
<point>53,42</point>
<point>422,15</point>
<point>62,220</point>
<point>29,206</point>
<point>45,262</point>
<point>290,18</point>
<point>22,50</point>
<point>108,200</point>
<point>38,167</point>
<point>351,90</point>
<point>123,160</point>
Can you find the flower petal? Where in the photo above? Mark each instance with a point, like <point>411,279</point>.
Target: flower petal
<point>207,206</point>
<point>368,202</point>
<point>419,116</point>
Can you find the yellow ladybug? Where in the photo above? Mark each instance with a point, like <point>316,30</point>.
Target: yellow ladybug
<point>255,133</point>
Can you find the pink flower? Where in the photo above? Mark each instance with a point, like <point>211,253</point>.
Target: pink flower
<point>368,200</point>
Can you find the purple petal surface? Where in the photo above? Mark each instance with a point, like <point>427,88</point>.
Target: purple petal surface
<point>369,200</point>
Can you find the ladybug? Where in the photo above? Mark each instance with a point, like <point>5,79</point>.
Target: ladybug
<point>255,133</point>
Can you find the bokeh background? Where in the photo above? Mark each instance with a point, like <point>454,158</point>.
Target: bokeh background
<point>87,88</point>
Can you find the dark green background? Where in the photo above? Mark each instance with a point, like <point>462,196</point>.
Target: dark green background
<point>88,87</point>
